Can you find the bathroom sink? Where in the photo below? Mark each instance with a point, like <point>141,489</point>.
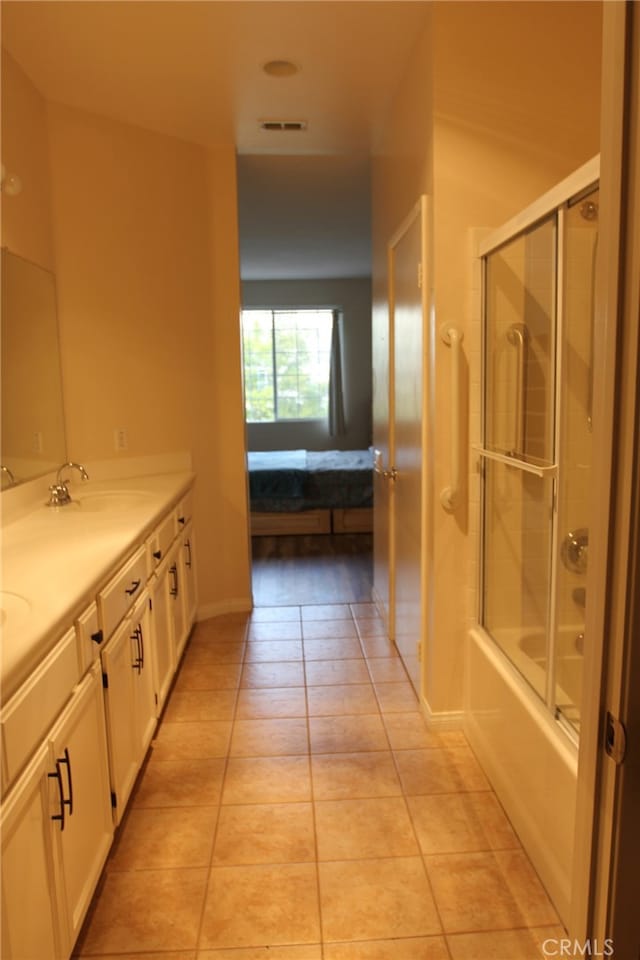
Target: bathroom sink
<point>111,500</point>
<point>13,609</point>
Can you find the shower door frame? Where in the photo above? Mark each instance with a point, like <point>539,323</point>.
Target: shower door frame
<point>555,201</point>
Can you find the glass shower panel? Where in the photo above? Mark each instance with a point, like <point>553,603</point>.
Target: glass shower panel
<point>517,567</point>
<point>520,296</point>
<point>575,451</point>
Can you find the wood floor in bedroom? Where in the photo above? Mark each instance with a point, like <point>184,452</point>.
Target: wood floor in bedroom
<point>312,569</point>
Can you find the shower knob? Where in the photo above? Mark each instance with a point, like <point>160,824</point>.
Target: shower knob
<point>575,549</point>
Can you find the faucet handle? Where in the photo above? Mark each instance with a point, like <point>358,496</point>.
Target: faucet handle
<point>59,495</point>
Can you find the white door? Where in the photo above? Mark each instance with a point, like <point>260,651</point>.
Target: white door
<point>407,453</point>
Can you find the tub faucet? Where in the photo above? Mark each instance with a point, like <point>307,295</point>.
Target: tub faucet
<point>59,495</point>
<point>6,472</point>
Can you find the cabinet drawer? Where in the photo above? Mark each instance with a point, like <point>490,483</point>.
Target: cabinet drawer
<point>161,539</point>
<point>121,592</point>
<point>184,510</point>
<point>32,710</point>
<point>90,636</point>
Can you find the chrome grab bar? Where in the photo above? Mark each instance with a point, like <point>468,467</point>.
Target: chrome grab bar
<point>453,337</point>
<point>517,336</point>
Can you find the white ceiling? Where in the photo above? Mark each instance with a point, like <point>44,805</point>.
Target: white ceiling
<point>193,69</point>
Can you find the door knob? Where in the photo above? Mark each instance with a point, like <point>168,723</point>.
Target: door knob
<point>575,550</point>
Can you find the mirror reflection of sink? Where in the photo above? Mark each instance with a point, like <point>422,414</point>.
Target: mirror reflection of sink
<point>13,609</point>
<point>106,500</point>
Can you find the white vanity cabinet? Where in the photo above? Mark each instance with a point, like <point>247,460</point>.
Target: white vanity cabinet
<point>188,568</point>
<point>56,832</point>
<point>129,691</point>
<point>164,660</point>
<point>176,603</point>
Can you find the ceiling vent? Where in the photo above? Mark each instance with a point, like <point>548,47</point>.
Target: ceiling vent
<point>283,126</point>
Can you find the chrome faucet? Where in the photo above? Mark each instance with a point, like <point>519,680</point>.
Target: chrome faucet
<point>6,472</point>
<point>59,495</point>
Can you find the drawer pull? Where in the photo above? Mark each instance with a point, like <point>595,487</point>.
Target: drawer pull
<point>58,776</point>
<point>188,561</point>
<point>67,761</point>
<point>97,637</point>
<point>134,586</point>
<point>157,554</point>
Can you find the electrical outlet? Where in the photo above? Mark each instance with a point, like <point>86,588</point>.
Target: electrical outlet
<point>37,444</point>
<point>121,438</point>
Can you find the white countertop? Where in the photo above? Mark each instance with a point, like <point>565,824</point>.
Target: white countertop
<point>54,560</point>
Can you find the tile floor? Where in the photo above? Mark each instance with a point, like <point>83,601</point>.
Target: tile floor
<point>295,807</point>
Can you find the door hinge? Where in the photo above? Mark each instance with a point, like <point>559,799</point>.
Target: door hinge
<point>615,739</point>
<point>114,800</point>
<point>105,681</point>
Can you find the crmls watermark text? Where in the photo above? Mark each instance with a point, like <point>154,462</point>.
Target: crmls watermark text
<point>576,948</point>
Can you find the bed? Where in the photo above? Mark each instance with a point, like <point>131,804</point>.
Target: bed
<point>310,491</point>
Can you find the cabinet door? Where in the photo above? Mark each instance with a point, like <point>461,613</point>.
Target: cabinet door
<point>79,746</point>
<point>30,905</point>
<point>143,682</point>
<point>175,599</point>
<point>120,665</point>
<point>161,637</point>
<point>189,588</point>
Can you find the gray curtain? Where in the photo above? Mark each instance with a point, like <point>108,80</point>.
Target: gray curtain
<point>336,401</point>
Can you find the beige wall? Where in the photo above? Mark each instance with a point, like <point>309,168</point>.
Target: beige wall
<point>141,231</point>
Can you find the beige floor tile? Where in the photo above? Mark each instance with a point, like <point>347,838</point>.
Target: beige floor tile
<point>378,647</point>
<point>214,651</point>
<point>178,783</point>
<point>261,905</point>
<point>327,629</point>
<point>280,674</point>
<point>371,627</point>
<point>396,697</point>
<point>461,823</point>
<point>231,626</point>
<point>332,648</point>
<point>306,952</point>
<point>352,734</point>
<point>271,702</point>
<point>284,630</point>
<point>351,775</point>
<point>164,837</point>
<point>525,886</point>
<point>208,676</point>
<point>364,611</point>
<point>146,910</point>
<point>357,829</point>
<point>274,614</point>
<point>273,650</point>
<point>173,955</point>
<point>325,611</point>
<point>446,770</point>
<point>341,699</point>
<point>387,670</point>
<point>265,833</point>
<point>200,705</point>
<point>506,944</point>
<point>473,894</point>
<point>323,672</point>
<point>376,900</point>
<point>406,948</point>
<point>269,738</point>
<point>408,731</point>
<point>267,780</point>
<point>192,740</point>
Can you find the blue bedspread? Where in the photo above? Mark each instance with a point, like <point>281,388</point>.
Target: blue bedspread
<point>290,480</point>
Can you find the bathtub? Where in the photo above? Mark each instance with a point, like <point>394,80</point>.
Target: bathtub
<point>529,759</point>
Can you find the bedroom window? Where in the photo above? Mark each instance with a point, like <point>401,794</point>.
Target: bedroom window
<point>287,356</point>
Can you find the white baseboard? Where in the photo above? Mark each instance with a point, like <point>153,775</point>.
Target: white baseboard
<point>442,719</point>
<point>234,605</point>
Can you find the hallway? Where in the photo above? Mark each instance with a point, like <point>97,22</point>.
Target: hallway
<point>295,806</point>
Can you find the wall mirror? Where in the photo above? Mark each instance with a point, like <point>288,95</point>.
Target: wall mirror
<point>33,437</point>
